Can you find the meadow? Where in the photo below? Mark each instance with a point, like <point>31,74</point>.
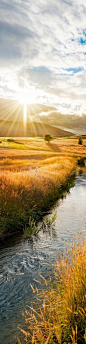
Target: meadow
<point>59,314</point>
<point>33,175</point>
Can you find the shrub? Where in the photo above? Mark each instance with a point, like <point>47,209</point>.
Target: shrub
<point>81,162</point>
<point>10,140</point>
<point>80,141</point>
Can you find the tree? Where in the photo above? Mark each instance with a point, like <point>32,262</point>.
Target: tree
<point>81,161</point>
<point>80,141</point>
<point>48,137</point>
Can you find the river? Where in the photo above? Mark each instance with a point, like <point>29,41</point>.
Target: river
<point>22,260</point>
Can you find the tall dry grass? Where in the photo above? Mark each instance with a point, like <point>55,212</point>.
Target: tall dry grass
<point>25,194</point>
<point>59,315</point>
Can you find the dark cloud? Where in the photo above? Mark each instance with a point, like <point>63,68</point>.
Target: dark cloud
<point>17,30</point>
<point>7,6</point>
<point>14,41</point>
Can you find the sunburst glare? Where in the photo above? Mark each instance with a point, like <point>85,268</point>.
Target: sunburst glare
<point>25,112</point>
<point>28,96</point>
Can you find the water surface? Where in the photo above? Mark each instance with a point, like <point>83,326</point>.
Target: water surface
<point>22,261</point>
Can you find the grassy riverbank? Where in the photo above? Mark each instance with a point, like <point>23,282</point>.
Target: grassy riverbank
<point>27,194</point>
<point>60,310</point>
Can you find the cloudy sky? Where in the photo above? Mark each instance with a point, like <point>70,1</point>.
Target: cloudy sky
<point>43,53</point>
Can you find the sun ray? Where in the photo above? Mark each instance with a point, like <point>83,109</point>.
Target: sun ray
<point>31,108</point>
<point>25,112</point>
<point>8,110</point>
<point>35,125</point>
<point>17,111</point>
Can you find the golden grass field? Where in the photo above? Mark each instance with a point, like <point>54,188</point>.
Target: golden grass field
<point>33,175</point>
<point>36,152</point>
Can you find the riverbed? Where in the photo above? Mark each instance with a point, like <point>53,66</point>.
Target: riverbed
<point>23,260</point>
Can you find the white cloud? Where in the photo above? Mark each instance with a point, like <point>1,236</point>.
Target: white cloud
<point>45,43</point>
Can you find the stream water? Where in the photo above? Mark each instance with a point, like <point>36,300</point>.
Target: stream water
<point>22,261</point>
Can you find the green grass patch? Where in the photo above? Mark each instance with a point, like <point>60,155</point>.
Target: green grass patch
<point>12,144</point>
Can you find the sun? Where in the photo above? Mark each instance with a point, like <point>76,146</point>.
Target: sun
<point>27,96</point>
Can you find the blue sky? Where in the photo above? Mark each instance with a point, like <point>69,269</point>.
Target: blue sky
<point>43,52</point>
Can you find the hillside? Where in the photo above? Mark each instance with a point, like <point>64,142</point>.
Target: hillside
<point>71,122</point>
<point>12,110</point>
<point>30,129</point>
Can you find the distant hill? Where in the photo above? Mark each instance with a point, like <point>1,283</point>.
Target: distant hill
<point>12,125</point>
<point>30,129</point>
<point>73,122</point>
<point>12,110</point>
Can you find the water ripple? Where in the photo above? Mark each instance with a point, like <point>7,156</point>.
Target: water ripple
<point>22,262</point>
